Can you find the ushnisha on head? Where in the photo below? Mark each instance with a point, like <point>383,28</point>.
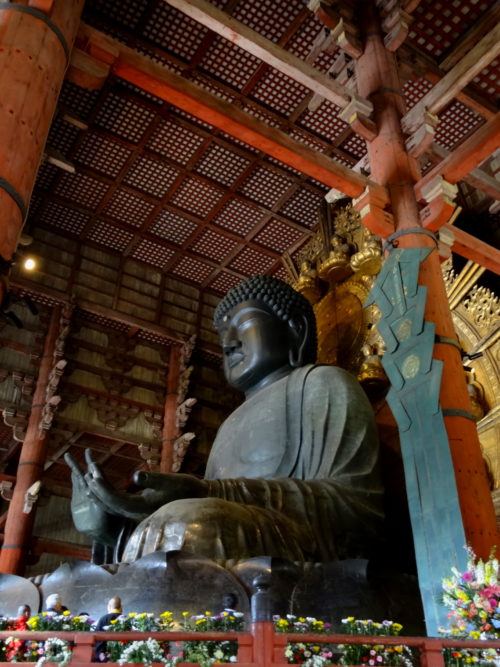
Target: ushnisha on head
<point>266,330</point>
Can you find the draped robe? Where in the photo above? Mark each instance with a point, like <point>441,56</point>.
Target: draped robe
<point>293,473</point>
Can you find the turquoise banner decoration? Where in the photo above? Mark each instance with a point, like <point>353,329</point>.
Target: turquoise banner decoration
<point>415,378</point>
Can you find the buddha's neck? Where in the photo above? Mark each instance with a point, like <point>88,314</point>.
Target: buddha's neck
<point>269,379</point>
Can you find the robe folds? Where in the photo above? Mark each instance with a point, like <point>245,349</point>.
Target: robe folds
<point>293,473</point>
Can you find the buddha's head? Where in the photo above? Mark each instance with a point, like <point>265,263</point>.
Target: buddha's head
<point>266,329</point>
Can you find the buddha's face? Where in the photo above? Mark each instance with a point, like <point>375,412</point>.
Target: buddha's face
<point>255,344</point>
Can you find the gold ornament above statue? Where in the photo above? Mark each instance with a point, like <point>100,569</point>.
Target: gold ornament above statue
<point>337,269</point>
<point>308,284</point>
<point>369,259</point>
<point>337,266</point>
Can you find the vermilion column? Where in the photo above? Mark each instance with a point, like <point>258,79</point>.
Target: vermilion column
<point>36,38</point>
<point>391,166</point>
<point>18,527</point>
<point>170,430</point>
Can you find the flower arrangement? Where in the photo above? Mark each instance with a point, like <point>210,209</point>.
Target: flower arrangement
<point>48,620</point>
<point>300,653</point>
<point>373,654</point>
<point>145,652</point>
<point>133,622</point>
<point>473,598</point>
<point>55,650</point>
<point>209,652</point>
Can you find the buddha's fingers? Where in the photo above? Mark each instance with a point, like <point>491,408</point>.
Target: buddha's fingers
<point>92,466</point>
<point>75,468</point>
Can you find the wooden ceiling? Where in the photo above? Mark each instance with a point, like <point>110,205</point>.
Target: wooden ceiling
<point>154,183</point>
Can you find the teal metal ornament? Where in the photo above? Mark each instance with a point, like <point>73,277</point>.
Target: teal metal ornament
<point>415,377</point>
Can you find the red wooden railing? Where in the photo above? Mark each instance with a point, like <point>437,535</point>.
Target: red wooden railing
<point>261,647</point>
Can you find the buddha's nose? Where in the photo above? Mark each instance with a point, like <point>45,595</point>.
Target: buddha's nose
<point>230,346</point>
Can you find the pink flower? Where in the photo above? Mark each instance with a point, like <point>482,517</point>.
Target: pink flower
<point>466,576</point>
<point>493,602</point>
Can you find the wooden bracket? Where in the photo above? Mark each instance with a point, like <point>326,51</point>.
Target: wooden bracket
<point>421,139</point>
<point>6,490</point>
<point>440,196</point>
<point>357,113</point>
<point>86,71</point>
<point>345,34</point>
<point>339,18</point>
<point>445,243</point>
<point>396,25</point>
<point>370,206</point>
<point>91,59</point>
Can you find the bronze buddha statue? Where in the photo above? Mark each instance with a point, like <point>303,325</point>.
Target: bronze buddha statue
<point>293,472</point>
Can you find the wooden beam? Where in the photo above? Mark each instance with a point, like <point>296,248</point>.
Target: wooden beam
<point>213,18</point>
<point>466,157</point>
<point>62,297</point>
<point>41,545</point>
<point>478,178</point>
<point>466,42</point>
<point>62,450</point>
<point>453,82</point>
<point>472,248</point>
<point>467,97</point>
<point>165,84</point>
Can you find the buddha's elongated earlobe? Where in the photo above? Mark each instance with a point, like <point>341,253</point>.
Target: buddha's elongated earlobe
<point>298,328</point>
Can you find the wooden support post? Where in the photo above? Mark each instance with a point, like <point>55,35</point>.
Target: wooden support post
<point>170,430</point>
<point>392,167</point>
<point>19,525</point>
<point>34,52</point>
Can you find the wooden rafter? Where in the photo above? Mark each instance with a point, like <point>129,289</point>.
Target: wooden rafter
<point>463,72</point>
<point>153,78</point>
<point>213,18</point>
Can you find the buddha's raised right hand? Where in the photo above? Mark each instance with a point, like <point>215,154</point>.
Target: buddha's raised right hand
<point>97,507</point>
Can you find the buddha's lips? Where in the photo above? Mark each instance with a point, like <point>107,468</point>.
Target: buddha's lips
<point>234,359</point>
